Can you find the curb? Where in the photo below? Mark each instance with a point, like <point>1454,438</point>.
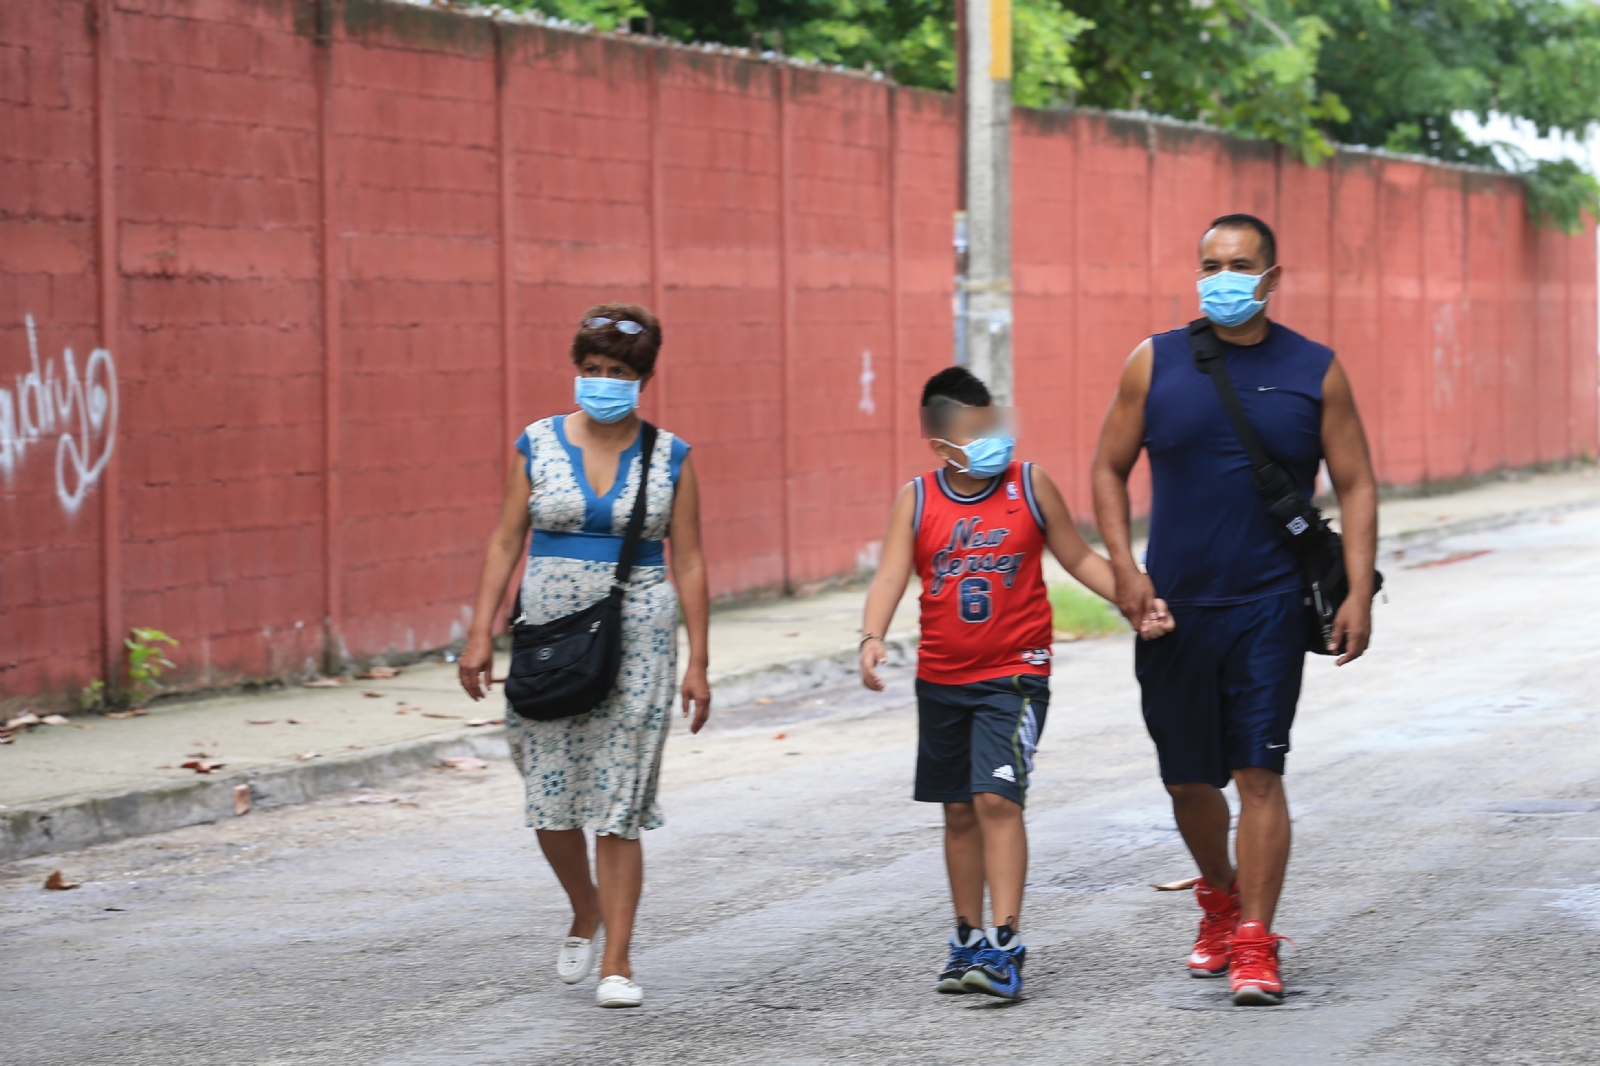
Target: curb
<point>100,818</point>
<point>786,677</point>
<point>74,823</point>
<point>1427,535</point>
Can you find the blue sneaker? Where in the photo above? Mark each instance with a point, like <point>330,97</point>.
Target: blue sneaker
<point>961,957</point>
<point>997,971</point>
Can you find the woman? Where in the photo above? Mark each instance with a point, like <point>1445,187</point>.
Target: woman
<point>575,487</point>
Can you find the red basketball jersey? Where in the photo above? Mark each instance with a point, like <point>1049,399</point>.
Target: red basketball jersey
<point>985,612</point>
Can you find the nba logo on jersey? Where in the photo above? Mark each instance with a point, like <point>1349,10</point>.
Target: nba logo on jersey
<point>1011,490</point>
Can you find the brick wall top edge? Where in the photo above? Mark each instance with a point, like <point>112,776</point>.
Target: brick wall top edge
<point>417,24</point>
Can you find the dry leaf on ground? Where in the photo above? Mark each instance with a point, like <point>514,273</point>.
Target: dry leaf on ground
<point>55,719</point>
<point>380,673</point>
<point>1177,886</point>
<point>203,766</point>
<point>58,883</point>
<point>763,701</point>
<point>780,736</point>
<point>373,695</point>
<point>465,762</point>
<point>262,721</point>
<point>324,682</point>
<point>23,720</point>
<point>6,738</point>
<point>131,712</point>
<point>241,799</point>
<point>307,755</point>
<point>298,721</point>
<point>436,714</point>
<point>402,711</point>
<point>373,797</point>
<point>486,721</point>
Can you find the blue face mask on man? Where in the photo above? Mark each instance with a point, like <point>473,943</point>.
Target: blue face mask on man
<point>1229,299</point>
<point>607,399</point>
<point>986,456</point>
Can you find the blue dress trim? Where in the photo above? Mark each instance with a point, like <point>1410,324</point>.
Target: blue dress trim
<point>592,547</point>
<point>680,450</point>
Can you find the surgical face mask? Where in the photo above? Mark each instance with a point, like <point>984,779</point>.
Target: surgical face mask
<point>1229,299</point>
<point>607,399</point>
<point>986,456</point>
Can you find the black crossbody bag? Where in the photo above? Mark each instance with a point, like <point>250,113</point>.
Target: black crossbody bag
<point>1298,521</point>
<point>567,666</point>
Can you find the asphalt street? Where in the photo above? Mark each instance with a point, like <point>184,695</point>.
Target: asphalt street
<point>1444,894</point>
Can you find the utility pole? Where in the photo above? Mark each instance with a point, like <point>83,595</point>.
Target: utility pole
<point>983,225</point>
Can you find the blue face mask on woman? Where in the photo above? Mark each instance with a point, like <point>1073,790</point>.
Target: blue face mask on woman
<point>1229,299</point>
<point>986,456</point>
<point>607,399</point>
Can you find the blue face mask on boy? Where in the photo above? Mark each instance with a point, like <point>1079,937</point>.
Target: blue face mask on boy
<point>1229,299</point>
<point>986,456</point>
<point>607,399</point>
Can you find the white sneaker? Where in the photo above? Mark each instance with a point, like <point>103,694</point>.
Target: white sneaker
<point>618,991</point>
<point>575,959</point>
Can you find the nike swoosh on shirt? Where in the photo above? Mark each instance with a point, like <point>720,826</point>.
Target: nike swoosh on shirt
<point>1266,388</point>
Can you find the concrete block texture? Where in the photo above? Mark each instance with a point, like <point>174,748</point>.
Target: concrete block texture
<point>335,250</point>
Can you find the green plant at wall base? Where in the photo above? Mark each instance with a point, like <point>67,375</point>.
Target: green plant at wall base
<point>92,697</point>
<point>146,661</point>
<point>1081,613</point>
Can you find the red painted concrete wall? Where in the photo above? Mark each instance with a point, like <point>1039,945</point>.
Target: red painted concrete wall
<point>334,253</point>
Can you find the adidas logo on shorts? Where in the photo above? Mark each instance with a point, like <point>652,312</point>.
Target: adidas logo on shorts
<point>1005,773</point>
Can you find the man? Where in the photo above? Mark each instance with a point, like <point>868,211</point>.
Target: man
<point>1219,693</point>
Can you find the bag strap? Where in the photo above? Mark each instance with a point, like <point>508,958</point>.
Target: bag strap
<point>1272,481</point>
<point>635,530</point>
<point>634,533</point>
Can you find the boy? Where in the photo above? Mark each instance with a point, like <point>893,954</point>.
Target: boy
<point>975,530</point>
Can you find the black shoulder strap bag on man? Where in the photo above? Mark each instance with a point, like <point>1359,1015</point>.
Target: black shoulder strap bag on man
<point>1297,520</point>
<point>567,666</point>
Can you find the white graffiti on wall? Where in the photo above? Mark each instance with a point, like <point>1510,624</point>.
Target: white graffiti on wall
<point>80,412</point>
<point>867,378</point>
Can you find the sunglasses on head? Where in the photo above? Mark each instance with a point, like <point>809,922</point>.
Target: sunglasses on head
<point>624,325</point>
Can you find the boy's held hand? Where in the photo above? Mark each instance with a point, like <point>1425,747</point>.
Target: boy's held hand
<point>1157,622</point>
<point>1136,596</point>
<point>873,656</point>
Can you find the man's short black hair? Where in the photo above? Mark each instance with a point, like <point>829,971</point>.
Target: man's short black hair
<point>1269,243</point>
<point>958,384</point>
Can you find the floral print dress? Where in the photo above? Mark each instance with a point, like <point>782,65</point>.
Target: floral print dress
<point>598,771</point>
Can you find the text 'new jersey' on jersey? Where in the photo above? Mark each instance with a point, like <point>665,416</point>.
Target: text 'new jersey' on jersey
<point>985,611</point>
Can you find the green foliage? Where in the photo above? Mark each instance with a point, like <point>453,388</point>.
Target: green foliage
<point>601,14</point>
<point>1043,74</point>
<point>1083,614</point>
<point>146,661</point>
<point>1306,74</point>
<point>1560,193</point>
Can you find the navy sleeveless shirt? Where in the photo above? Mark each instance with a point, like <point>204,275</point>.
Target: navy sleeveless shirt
<point>1210,541</point>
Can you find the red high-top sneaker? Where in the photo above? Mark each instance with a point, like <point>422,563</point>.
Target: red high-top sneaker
<point>1254,976</point>
<point>1220,918</point>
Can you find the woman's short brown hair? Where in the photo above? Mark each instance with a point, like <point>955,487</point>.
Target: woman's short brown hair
<point>635,350</point>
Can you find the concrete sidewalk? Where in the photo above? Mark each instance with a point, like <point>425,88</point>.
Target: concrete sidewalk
<point>96,779</point>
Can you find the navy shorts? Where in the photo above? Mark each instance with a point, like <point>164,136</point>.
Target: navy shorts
<point>978,737</point>
<point>1220,690</point>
